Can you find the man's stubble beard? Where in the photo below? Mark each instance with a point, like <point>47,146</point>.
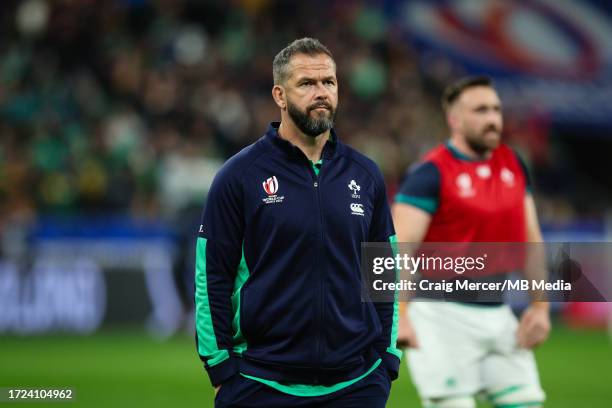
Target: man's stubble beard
<point>477,142</point>
<point>312,126</point>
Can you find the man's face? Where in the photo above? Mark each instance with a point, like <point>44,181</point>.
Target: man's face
<point>479,118</point>
<point>312,93</point>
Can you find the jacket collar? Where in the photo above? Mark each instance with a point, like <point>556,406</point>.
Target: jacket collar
<point>331,149</point>
<point>462,156</point>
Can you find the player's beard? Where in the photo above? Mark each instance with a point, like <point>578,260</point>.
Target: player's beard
<point>312,126</point>
<point>481,143</point>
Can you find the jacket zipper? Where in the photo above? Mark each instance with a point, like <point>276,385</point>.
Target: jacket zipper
<point>321,299</point>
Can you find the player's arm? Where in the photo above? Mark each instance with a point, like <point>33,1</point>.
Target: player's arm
<point>534,325</point>
<point>415,203</point>
<point>218,254</point>
<point>411,224</point>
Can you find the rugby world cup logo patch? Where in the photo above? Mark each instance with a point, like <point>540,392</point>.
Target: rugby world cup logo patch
<point>464,182</point>
<point>270,186</point>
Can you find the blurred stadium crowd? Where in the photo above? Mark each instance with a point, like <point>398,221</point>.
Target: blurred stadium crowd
<point>132,105</point>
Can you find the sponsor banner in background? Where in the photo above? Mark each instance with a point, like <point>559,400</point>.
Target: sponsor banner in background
<point>79,275</point>
<point>546,56</point>
<point>52,295</point>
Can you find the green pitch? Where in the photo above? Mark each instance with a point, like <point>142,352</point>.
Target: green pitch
<point>128,369</point>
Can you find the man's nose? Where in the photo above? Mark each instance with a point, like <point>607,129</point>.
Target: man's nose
<point>494,118</point>
<point>321,92</point>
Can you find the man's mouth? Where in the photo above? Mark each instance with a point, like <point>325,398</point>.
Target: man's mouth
<point>320,108</point>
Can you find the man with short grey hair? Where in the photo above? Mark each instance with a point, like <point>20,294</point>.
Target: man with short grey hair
<point>279,316</point>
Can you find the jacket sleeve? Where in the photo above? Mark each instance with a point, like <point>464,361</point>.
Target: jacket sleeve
<point>218,254</point>
<point>388,312</point>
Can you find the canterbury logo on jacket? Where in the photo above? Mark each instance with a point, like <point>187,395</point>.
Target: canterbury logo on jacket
<point>278,282</point>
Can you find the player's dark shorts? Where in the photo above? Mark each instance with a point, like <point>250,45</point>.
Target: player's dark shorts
<point>369,392</point>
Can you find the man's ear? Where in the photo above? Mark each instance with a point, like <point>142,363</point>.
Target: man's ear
<point>278,94</point>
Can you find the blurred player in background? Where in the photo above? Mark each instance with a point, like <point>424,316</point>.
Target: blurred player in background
<point>459,349</point>
<point>279,316</point>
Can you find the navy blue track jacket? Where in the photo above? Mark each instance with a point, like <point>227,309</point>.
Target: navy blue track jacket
<point>278,282</point>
